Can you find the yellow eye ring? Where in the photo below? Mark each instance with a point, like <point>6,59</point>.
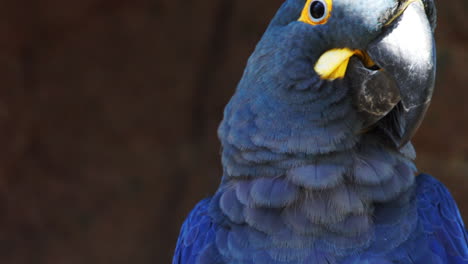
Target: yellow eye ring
<point>316,12</point>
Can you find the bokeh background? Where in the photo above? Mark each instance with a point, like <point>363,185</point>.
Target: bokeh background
<point>109,111</point>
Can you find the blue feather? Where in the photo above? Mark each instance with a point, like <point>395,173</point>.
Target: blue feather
<point>264,219</point>
<point>273,193</point>
<point>298,221</point>
<point>231,206</point>
<point>317,176</point>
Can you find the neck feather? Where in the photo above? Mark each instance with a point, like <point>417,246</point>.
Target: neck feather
<point>301,177</point>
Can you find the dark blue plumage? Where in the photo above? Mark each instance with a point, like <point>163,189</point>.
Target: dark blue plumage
<point>317,169</point>
<point>439,235</point>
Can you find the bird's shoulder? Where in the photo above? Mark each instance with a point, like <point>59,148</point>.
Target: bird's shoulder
<point>438,236</point>
<point>441,220</point>
<point>197,237</point>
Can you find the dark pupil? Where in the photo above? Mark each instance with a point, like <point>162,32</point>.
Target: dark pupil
<point>317,9</point>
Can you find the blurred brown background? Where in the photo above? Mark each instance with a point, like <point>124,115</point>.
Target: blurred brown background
<point>109,111</point>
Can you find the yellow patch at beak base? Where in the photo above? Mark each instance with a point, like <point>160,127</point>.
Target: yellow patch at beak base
<point>333,64</point>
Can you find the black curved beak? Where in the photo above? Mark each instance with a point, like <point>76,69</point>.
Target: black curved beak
<point>406,53</point>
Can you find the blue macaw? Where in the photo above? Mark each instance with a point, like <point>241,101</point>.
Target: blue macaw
<point>317,159</point>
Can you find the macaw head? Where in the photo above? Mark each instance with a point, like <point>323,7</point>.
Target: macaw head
<point>380,53</point>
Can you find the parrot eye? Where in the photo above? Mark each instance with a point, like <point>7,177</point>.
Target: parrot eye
<point>316,12</point>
